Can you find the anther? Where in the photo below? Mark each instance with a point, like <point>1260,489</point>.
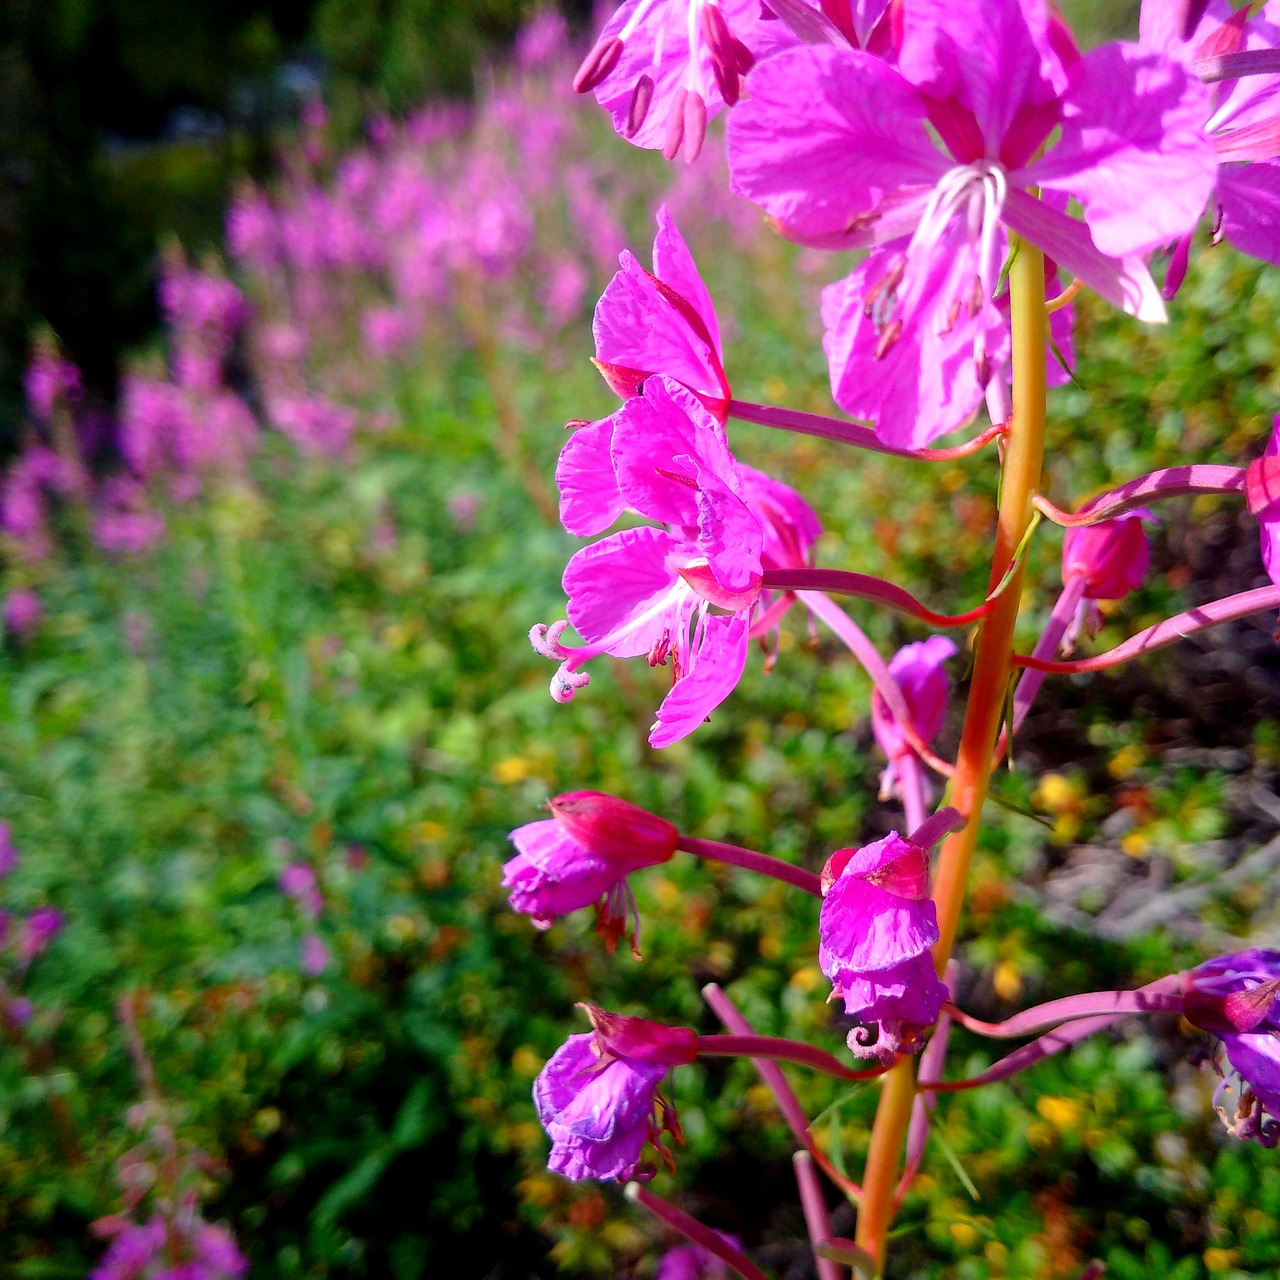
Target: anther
<point>641,100</point>
<point>598,64</point>
<point>892,332</point>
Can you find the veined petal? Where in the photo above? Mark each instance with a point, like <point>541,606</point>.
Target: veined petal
<point>1250,199</point>
<point>865,928</point>
<point>673,264</point>
<point>590,500</point>
<point>729,534</point>
<point>618,1096</point>
<point>993,61</point>
<point>716,667</point>
<point>624,586</point>
<point>1133,151</point>
<point>1125,282</point>
<point>825,135</point>
<point>635,326</point>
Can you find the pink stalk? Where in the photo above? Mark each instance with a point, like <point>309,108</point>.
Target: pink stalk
<point>1059,1038</point>
<point>815,1213</point>
<point>927,833</point>
<point>734,856</point>
<point>1172,482</point>
<point>931,1061</point>
<point>1163,633</point>
<point>911,782</point>
<point>1161,996</point>
<point>780,1049</point>
<point>771,1074</point>
<point>865,587</point>
<point>693,1230</point>
<point>855,433</point>
<point>1050,639</point>
<point>855,639</point>
<point>1231,66</point>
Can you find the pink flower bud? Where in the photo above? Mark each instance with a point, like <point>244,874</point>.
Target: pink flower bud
<point>620,1036</point>
<point>615,829</point>
<point>920,670</point>
<point>1111,557</point>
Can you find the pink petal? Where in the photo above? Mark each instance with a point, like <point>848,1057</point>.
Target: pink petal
<point>825,135</point>
<point>590,500</point>
<point>1133,150</point>
<point>1125,282</point>
<point>867,928</point>
<point>627,580</point>
<point>716,668</point>
<point>673,264</point>
<point>729,534</point>
<point>1250,199</point>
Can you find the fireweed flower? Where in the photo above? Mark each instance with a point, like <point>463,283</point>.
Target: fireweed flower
<point>693,1262</point>
<point>581,857</point>
<point>650,591</point>
<point>876,926</point>
<point>838,148</point>
<point>1243,121</point>
<point>598,1098</point>
<point>920,670</point>
<point>661,321</point>
<point>1262,490</point>
<point>1109,560</point>
<point>663,68</point>
<point>8,850</point>
<point>1237,998</point>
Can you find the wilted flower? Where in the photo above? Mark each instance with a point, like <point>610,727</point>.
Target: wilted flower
<point>598,1096</point>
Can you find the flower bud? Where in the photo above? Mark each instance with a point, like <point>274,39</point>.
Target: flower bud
<point>920,670</point>
<point>1111,557</point>
<point>615,829</point>
<point>620,1036</point>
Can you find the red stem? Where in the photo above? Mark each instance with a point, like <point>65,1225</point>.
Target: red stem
<point>780,1049</point>
<point>734,856</point>
<point>693,1230</point>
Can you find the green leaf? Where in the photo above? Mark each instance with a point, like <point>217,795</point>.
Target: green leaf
<point>954,1161</point>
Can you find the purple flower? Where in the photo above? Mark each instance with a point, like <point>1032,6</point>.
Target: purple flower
<point>693,1262</point>
<point>661,322</point>
<point>22,612</point>
<point>650,591</point>
<point>8,850</point>
<point>1107,560</point>
<point>598,1097</point>
<point>839,148</point>
<point>582,856</point>
<point>38,930</point>
<point>1242,121</point>
<point>315,955</point>
<point>131,1251</point>
<point>663,68</point>
<point>49,381</point>
<point>1237,998</point>
<point>920,670</point>
<point>298,881</point>
<point>876,927</point>
<point>1262,491</point>
<point>217,1253</point>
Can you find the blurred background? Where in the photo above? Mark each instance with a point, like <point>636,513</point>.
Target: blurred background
<point>295,303</point>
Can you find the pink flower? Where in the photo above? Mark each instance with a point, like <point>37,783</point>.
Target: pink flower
<point>661,322</point>
<point>315,955</point>
<point>582,856</point>
<point>8,851</point>
<point>598,1097</point>
<point>693,1262</point>
<point>1110,557</point>
<point>1262,490</point>
<point>22,612</point>
<point>839,148</point>
<point>920,670</point>
<point>649,591</point>
<point>38,931</point>
<point>1243,121</point>
<point>298,881</point>
<point>49,381</point>
<point>876,927</point>
<point>663,68</point>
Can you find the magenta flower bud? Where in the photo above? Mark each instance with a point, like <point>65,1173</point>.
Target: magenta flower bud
<point>298,881</point>
<point>921,674</point>
<point>1237,998</point>
<point>22,613</point>
<point>1262,492</point>
<point>876,927</point>
<point>39,929</point>
<point>1110,557</point>
<point>599,1104</point>
<point>315,956</point>
<point>582,856</point>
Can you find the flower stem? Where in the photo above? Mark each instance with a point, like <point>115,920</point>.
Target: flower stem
<point>1024,456</point>
<point>712,1241</point>
<point>750,860</point>
<point>780,1049</point>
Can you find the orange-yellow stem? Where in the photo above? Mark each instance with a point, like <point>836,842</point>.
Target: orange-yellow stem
<point>1024,457</point>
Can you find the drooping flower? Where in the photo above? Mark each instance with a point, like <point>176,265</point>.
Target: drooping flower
<point>581,857</point>
<point>598,1098</point>
<point>876,927</point>
<point>1243,121</point>
<point>839,148</point>
<point>1237,998</point>
<point>661,321</point>
<point>664,68</point>
<point>920,670</point>
<point>650,591</point>
<point>1108,560</point>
